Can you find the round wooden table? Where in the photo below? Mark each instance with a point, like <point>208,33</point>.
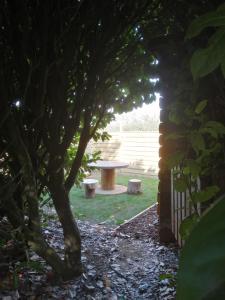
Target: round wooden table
<point>108,168</point>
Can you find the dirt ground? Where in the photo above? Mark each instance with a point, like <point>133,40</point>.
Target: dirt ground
<point>126,262</point>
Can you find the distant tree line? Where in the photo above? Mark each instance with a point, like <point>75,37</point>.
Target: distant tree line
<point>145,122</point>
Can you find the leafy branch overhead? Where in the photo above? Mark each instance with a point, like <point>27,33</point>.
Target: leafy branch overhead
<point>66,68</point>
<point>206,60</point>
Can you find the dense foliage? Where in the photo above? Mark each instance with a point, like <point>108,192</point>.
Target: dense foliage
<point>66,67</point>
<point>202,272</point>
<point>202,155</point>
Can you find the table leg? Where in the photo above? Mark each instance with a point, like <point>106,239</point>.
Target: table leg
<point>108,179</point>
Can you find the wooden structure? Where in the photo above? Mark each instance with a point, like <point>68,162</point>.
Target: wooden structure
<point>89,187</point>
<point>173,207</point>
<point>139,149</point>
<point>167,147</point>
<point>181,208</point>
<point>134,186</point>
<point>108,168</point>
<point>108,179</point>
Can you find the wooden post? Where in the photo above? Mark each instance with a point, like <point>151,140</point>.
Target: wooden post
<point>164,188</point>
<point>108,179</point>
<point>89,187</point>
<point>134,186</point>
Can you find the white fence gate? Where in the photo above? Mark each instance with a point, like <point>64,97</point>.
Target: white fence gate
<point>181,208</point>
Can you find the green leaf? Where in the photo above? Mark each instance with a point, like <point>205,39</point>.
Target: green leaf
<point>186,170</point>
<point>221,7</point>
<point>201,271</point>
<point>218,127</point>
<point>180,185</point>
<point>206,194</point>
<point>193,167</point>
<point>174,118</point>
<point>166,276</point>
<point>203,62</point>
<point>15,280</point>
<point>175,159</point>
<point>211,19</point>
<point>187,226</point>
<point>197,141</point>
<point>223,67</point>
<point>201,106</point>
<point>210,131</point>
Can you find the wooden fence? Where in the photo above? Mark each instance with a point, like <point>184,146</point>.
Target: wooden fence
<point>139,149</point>
<point>181,208</point>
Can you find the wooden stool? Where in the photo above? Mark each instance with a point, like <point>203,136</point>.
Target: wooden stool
<point>134,186</point>
<point>89,187</point>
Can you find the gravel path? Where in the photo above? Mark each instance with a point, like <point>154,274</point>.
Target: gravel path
<point>126,263</point>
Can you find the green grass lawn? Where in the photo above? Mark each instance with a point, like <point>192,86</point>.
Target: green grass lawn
<point>114,209</point>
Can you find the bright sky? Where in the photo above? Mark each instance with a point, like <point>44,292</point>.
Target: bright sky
<point>150,109</point>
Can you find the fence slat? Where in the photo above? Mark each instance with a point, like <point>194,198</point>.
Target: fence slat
<point>181,208</point>
<point>139,149</point>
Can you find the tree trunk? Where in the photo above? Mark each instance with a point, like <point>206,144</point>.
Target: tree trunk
<point>33,237</point>
<point>89,187</point>
<point>72,239</point>
<point>134,186</point>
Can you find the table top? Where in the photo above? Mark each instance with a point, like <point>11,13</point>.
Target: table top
<point>108,164</point>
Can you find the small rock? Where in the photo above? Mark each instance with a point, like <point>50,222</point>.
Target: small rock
<point>115,266</point>
<point>34,257</point>
<point>165,282</point>
<point>114,249</point>
<point>160,248</point>
<point>113,297</point>
<point>129,261</point>
<point>92,273</point>
<point>100,284</point>
<point>84,259</point>
<point>90,288</point>
<point>143,288</point>
<point>90,267</point>
<point>72,293</point>
<point>121,280</point>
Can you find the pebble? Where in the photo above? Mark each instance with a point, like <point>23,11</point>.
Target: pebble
<point>100,284</point>
<point>160,248</point>
<point>72,293</point>
<point>113,297</point>
<point>90,288</point>
<point>165,282</point>
<point>143,288</point>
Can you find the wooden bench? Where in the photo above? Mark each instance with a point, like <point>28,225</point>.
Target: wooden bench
<point>134,186</point>
<point>89,187</point>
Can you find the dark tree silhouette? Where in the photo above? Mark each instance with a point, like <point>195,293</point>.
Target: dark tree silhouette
<point>66,67</point>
